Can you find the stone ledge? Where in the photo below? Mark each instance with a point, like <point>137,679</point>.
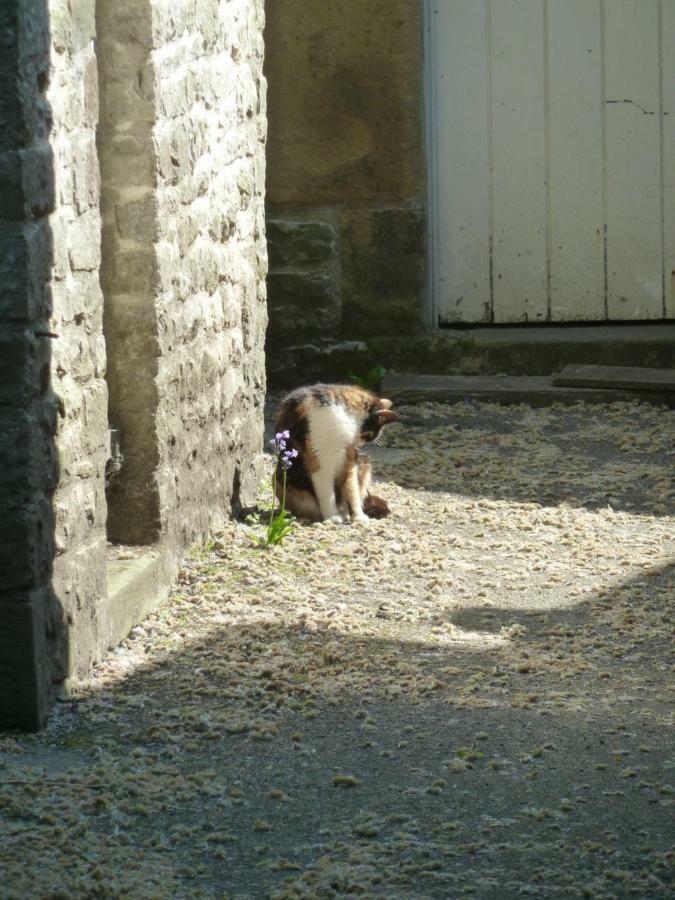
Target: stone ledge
<point>536,350</point>
<point>537,390</point>
<point>136,587</point>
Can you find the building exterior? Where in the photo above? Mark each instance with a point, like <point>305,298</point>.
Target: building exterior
<point>132,313</point>
<point>436,169</point>
<point>440,168</point>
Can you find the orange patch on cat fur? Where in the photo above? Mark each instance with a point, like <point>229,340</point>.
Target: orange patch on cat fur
<point>354,397</point>
<point>310,459</point>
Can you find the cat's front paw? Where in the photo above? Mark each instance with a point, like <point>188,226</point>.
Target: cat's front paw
<point>335,519</point>
<point>361,519</point>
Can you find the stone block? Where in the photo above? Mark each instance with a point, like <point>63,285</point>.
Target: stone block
<point>383,271</point>
<point>61,24</point>
<point>21,540</point>
<point>302,305</point>
<point>126,161</point>
<point>14,129</point>
<point>90,90</point>
<point>87,182</point>
<point>137,219</point>
<point>23,366</point>
<point>25,264</point>
<point>27,182</point>
<point>134,272</point>
<point>126,22</point>
<point>293,244</point>
<point>83,24</point>
<point>84,240</point>
<point>24,689</point>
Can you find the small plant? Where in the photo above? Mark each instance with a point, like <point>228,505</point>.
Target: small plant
<point>371,379</point>
<point>280,523</point>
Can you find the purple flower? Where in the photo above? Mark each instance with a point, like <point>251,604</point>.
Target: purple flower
<point>278,445</point>
<point>286,458</point>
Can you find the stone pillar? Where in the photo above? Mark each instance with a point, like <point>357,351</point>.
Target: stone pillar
<point>184,261</point>
<point>26,415</point>
<point>181,144</point>
<point>129,274</point>
<point>210,135</point>
<point>52,393</point>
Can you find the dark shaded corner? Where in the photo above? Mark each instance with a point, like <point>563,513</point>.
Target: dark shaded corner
<point>33,630</point>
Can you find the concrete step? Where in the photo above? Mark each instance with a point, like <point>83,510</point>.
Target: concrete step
<point>631,378</point>
<point>535,390</point>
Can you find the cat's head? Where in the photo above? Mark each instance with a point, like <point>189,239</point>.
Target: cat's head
<point>378,415</point>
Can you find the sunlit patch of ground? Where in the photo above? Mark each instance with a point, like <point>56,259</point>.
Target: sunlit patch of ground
<point>470,698</point>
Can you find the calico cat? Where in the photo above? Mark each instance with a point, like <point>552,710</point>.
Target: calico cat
<point>328,423</point>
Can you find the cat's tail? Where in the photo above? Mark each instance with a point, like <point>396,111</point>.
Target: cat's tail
<point>375,507</point>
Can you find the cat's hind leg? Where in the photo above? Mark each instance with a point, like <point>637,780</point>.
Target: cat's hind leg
<point>302,504</point>
<point>351,489</point>
<point>323,481</point>
<point>373,507</point>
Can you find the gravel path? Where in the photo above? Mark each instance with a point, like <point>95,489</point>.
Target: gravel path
<point>469,699</point>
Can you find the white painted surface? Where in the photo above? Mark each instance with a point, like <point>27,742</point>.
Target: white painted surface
<point>554,175</point>
<point>668,151</point>
<point>634,226</point>
<point>577,271</point>
<point>519,173</point>
<point>463,275</point>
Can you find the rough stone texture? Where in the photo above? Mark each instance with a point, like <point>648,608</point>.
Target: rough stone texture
<point>304,280</point>
<point>182,157</point>
<point>53,397</point>
<point>129,274</point>
<point>480,351</point>
<point>346,152</point>
<point>384,271</point>
<point>211,255</point>
<point>78,366</point>
<point>183,119</point>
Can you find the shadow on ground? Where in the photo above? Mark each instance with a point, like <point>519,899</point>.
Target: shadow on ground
<point>274,759</point>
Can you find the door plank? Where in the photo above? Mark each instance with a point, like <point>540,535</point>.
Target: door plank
<point>577,274</point>
<point>459,29</point>
<point>634,221</point>
<point>519,190</point>
<point>668,125</point>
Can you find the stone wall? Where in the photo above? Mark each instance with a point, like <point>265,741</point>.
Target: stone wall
<point>78,354</point>
<point>182,138</point>
<point>211,256</point>
<point>53,390</point>
<point>346,182</point>
<point>182,260</point>
<point>129,272</point>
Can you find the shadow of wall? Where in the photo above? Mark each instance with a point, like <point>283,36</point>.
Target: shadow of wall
<point>33,634</point>
<point>52,387</point>
<point>195,740</point>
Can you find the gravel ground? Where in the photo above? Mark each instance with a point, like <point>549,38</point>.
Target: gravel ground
<point>469,699</point>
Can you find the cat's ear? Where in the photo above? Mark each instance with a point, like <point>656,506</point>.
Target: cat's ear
<point>383,403</point>
<point>386,415</point>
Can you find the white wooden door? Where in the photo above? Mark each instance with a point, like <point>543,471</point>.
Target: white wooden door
<point>552,124</point>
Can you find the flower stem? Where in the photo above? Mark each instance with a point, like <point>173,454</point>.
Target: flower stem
<point>274,500</point>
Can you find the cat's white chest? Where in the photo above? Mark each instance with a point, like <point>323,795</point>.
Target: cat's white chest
<point>331,430</point>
